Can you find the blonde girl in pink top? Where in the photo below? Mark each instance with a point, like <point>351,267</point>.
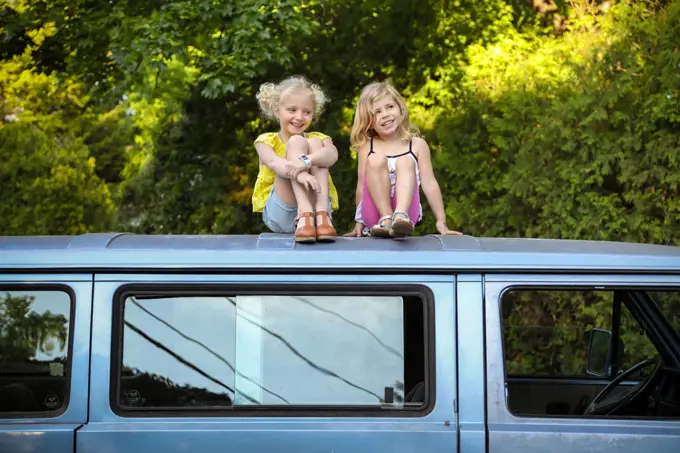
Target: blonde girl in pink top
<point>394,163</point>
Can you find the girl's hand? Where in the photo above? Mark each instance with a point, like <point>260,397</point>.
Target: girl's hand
<point>308,181</point>
<point>357,231</point>
<point>444,230</point>
<point>293,169</point>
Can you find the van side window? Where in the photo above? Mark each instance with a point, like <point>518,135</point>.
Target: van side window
<point>562,347</point>
<point>34,352</point>
<point>247,352</point>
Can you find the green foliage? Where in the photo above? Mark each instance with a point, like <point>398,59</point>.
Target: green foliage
<point>115,44</point>
<point>537,130</point>
<point>110,137</point>
<point>571,137</point>
<point>197,178</point>
<point>49,187</point>
<point>49,181</point>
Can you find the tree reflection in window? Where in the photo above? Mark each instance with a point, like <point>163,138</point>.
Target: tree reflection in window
<point>34,337</point>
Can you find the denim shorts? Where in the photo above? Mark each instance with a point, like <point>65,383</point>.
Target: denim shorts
<point>280,217</point>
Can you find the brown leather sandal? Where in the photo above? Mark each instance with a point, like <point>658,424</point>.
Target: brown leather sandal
<point>305,231</point>
<point>324,230</point>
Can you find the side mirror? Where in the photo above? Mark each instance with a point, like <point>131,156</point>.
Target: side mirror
<point>599,359</point>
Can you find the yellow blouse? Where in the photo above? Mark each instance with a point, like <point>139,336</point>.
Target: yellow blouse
<point>266,176</point>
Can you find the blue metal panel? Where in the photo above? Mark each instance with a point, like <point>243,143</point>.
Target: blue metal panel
<point>510,434</point>
<point>601,281</point>
<point>435,432</point>
<point>316,257</point>
<point>56,434</point>
<point>271,279</point>
<point>33,279</point>
<point>471,381</point>
<point>37,438</point>
<point>94,240</point>
<point>35,243</point>
<point>384,436</point>
<point>267,241</point>
<point>267,251</point>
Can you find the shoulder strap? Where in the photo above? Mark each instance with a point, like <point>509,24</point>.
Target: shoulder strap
<point>410,150</point>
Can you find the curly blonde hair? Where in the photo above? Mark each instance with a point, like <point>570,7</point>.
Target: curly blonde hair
<point>269,95</point>
<point>362,130</point>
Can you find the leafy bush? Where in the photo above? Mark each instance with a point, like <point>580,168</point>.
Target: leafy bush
<point>568,137</point>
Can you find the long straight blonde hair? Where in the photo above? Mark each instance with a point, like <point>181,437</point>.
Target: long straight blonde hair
<point>363,117</point>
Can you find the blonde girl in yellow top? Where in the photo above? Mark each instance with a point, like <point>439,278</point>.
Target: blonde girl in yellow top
<point>294,190</point>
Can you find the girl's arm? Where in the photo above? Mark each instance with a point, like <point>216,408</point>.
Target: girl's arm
<point>325,155</point>
<point>430,185</point>
<point>321,154</point>
<point>361,170</point>
<point>272,160</point>
<point>362,154</point>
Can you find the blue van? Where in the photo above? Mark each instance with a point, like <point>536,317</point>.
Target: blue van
<point>121,343</point>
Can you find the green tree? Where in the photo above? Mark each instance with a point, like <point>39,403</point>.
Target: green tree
<point>114,45</point>
<point>49,188</point>
<point>49,181</point>
<point>569,137</point>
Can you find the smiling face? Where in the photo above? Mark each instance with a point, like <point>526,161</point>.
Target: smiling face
<point>387,116</point>
<point>296,111</point>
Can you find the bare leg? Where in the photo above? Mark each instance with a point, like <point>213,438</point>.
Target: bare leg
<point>378,183</point>
<point>321,175</point>
<point>406,182</point>
<point>284,190</point>
<point>379,187</point>
<point>297,145</point>
<point>325,231</point>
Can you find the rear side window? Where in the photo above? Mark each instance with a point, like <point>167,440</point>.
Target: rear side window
<point>34,352</point>
<point>283,352</point>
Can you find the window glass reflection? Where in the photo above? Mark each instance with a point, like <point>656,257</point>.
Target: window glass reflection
<point>34,341</point>
<point>220,351</point>
<point>320,349</point>
<point>178,351</point>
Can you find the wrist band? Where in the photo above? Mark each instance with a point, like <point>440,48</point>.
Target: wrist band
<point>306,160</point>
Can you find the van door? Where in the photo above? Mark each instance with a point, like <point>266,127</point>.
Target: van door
<point>583,363</point>
<point>255,363</point>
<point>44,361</point>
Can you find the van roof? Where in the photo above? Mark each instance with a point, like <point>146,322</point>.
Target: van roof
<point>125,251</point>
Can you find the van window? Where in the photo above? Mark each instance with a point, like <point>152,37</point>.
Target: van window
<point>546,332</point>
<point>212,352</point>
<point>34,352</point>
<point>546,339</point>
